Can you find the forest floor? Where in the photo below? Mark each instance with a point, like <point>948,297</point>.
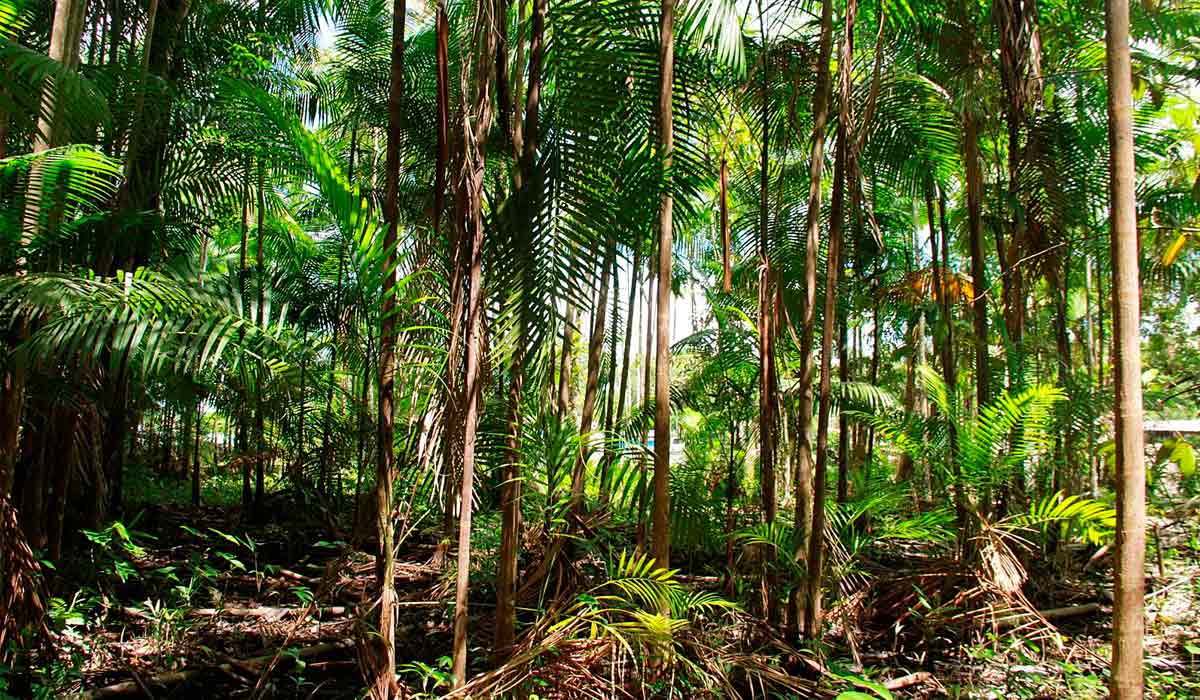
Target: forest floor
<point>192,602</point>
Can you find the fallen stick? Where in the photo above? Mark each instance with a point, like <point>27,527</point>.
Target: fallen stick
<point>1051,614</point>
<point>288,574</point>
<point>1070,611</point>
<point>270,613</point>
<point>174,677</point>
<point>905,681</point>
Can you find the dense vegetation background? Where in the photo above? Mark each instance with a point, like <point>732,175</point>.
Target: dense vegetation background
<point>599,348</point>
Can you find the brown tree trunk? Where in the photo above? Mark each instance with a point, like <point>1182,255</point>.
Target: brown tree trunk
<point>260,272</point>
<point>647,386</point>
<point>766,295</point>
<point>978,259</point>
<point>949,362</point>
<point>382,681</point>
<point>510,490</point>
<point>196,454</point>
<point>661,539</point>
<point>247,489</point>
<point>726,242</point>
<point>610,390</point>
<point>471,195</point>
<point>629,314</point>
<point>843,453</point>
<point>808,300</point>
<point>592,387</point>
<point>1128,622</point>
<point>816,549</point>
<point>452,414</point>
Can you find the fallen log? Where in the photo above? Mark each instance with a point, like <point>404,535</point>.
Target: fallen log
<point>910,680</point>
<point>266,612</point>
<point>1052,614</point>
<point>175,677</point>
<point>301,578</point>
<point>262,612</point>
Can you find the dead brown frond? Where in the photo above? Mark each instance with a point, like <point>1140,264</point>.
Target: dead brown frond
<point>21,606</point>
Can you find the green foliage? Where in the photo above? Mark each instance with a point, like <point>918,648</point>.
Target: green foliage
<point>641,606</point>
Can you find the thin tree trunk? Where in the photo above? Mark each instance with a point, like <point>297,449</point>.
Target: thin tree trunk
<point>661,540</point>
<point>610,388</point>
<point>766,295</point>
<point>442,52</point>
<point>629,313</point>
<point>592,387</point>
<point>949,363</point>
<point>978,259</point>
<point>451,432</point>
<point>471,195</point>
<point>298,469</point>
<point>1090,363</point>
<point>259,443</point>
<point>247,489</point>
<point>647,387</point>
<point>812,610</point>
<point>726,242</point>
<point>1065,462</point>
<point>382,680</point>
<point>808,300</point>
<point>1128,621</point>
<point>510,490</point>
<point>843,453</point>
<point>196,455</point>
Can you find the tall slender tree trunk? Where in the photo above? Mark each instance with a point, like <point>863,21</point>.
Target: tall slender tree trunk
<point>808,300</point>
<point>1065,463</point>
<point>592,387</point>
<point>260,446</point>
<point>1090,363</point>
<point>843,450</point>
<point>382,682</point>
<point>726,238</point>
<point>949,361</point>
<point>661,539</point>
<point>978,260</point>
<point>816,549</point>
<point>610,389</point>
<point>1128,622</point>
<point>629,314</point>
<point>475,129</point>
<point>1020,73</point>
<point>510,491</point>
<point>647,388</point>
<point>196,453</point>
<point>247,488</point>
<point>452,414</point>
<point>766,295</point>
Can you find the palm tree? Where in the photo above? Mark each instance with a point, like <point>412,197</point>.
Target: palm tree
<point>1128,622</point>
<point>812,608</point>
<point>383,684</point>
<point>661,538</point>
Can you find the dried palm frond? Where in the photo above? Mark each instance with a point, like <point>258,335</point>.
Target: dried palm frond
<point>20,596</point>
